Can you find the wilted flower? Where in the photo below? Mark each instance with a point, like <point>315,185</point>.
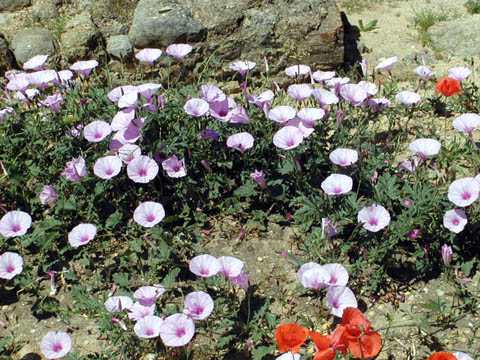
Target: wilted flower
<point>241,281</point>
<point>15,223</point>
<point>149,214</point>
<point>82,234</point>
<point>11,264</point>
<point>374,217</point>
<point>447,254</point>
<point>259,177</point>
<point>47,194</point>
<point>55,344</point>
<point>75,169</point>
<point>455,220</point>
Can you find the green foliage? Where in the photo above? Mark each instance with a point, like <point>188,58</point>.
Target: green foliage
<point>472,6</point>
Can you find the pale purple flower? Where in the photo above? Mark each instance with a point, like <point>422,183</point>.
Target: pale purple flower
<point>115,94</point>
<point>467,123</point>
<point>122,119</point>
<point>129,100</point>
<point>424,72</point>
<point>198,305</point>
<point>325,97</point>
<point>425,147</point>
<point>82,234</point>
<point>30,94</point>
<point>149,214</point>
<point>84,68</point>
<point>148,55</point>
<point>148,327</point>
<point>408,98</point>
<point>11,264</point>
<point>339,298</point>
<point>179,51</point>
<point>137,311</point>
<point>64,77</point>
<point>374,217</point>
<point>148,90</point>
<point>369,87</point>
<point>142,169</point>
<point>262,99</point>
<point>447,254</point>
<point>53,102</point>
<point>338,274</point>
<point>282,113</point>
<point>42,78</point>
<point>328,229</point>
<point>75,169</point>
<point>353,93</point>
<point>288,137</point>
<point>97,130</point>
<point>459,73</point>
<point>242,66</point>
<point>128,152</point>
<point>19,82</point>
<point>378,104</point>
<point>310,115</point>
<point>455,220</point>
<point>55,344</point>
<point>238,115</point>
<point>337,82</point>
<point>241,281</point>
<point>463,192</point>
<point>174,167</point>
<point>47,194</point>
<point>148,295</point>
<point>212,94</point>
<point>321,76</point>
<point>411,166</point>
<point>259,178</point>
<point>15,223</point>
<point>240,141</point>
<point>209,134</point>
<point>177,330</point>
<point>313,276</point>
<point>118,303</point>
<point>205,265</point>
<point>196,107</point>
<point>462,356</point>
<point>412,235</point>
<point>337,184</point>
<point>5,113</point>
<point>10,74</point>
<point>36,63</point>
<point>306,128</point>
<point>230,266</point>
<point>297,70</point>
<point>343,157</point>
<point>128,135</point>
<point>299,91</point>
<point>107,167</point>
<point>387,64</point>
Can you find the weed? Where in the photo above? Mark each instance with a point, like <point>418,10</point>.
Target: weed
<point>473,6</point>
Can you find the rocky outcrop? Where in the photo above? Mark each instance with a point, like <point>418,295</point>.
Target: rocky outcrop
<point>31,42</point>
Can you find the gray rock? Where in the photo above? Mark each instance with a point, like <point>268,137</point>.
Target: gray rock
<point>31,42</point>
<point>160,23</point>
<point>119,46</point>
<point>458,37</point>
<point>45,9</point>
<point>10,5</point>
<point>80,37</point>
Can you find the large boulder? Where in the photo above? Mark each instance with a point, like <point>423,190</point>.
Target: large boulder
<point>10,5</point>
<point>285,31</point>
<point>81,36</point>
<point>31,42</point>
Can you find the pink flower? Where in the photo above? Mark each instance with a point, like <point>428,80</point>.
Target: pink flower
<point>378,104</point>
<point>321,76</point>
<point>129,100</point>
<point>148,55</point>
<point>324,97</point>
<point>282,113</point>
<point>343,157</point>
<point>408,98</point>
<point>148,327</point>
<point>204,265</point>
<point>55,344</point>
<point>425,147</point>
<point>447,254</point>
<point>412,235</point>
<point>148,295</point>
<point>313,276</point>
<point>53,102</point>
<point>174,168</point>
<point>241,281</point>
<point>242,67</point>
<point>177,330</point>
<point>374,217</point>
<point>455,220</point>
<point>369,87</point>
<point>75,169</point>
<point>19,82</point>
<point>15,223</point>
<point>42,78</point>
<point>299,91</point>
<point>82,234</point>
<point>459,73</point>
<point>196,107</point>
<point>212,94</point>
<point>149,214</point>
<point>36,63</point>
<point>337,184</point>
<point>297,70</point>
<point>424,72</point>
<point>338,274</point>
<point>463,192</point>
<point>179,51</point>
<point>5,113</point>
<point>240,141</point>
<point>209,134</point>
<point>339,298</point>
<point>47,194</point>
<point>353,93</point>
<point>230,266</point>
<point>97,130</point>
<point>198,305</point>
<point>387,64</point>
<point>261,100</point>
<point>259,178</point>
<point>148,90</point>
<point>137,311</point>
<point>142,169</point>
<point>328,229</point>
<point>11,264</point>
<point>310,115</point>
<point>84,68</point>
<point>128,152</point>
<point>467,123</point>
<point>115,94</point>
<point>107,167</point>
<point>118,303</point>
<point>238,115</point>
<point>288,137</point>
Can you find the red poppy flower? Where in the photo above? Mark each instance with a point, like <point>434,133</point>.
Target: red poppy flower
<point>328,345</point>
<point>290,337</point>
<point>448,86</point>
<point>442,355</point>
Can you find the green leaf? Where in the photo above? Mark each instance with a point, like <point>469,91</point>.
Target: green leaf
<point>121,279</point>
<point>170,279</point>
<point>260,352</point>
<point>113,220</point>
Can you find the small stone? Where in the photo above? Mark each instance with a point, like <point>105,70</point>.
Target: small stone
<point>440,292</point>
<point>259,259</point>
<point>119,46</point>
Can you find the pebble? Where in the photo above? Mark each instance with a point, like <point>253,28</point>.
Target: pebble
<point>425,290</point>
<point>371,314</point>
<point>440,292</point>
<point>259,259</point>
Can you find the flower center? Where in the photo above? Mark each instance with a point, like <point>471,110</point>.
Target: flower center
<point>337,190</point>
<point>84,239</point>
<point>373,222</point>
<point>204,271</point>
<point>149,332</point>
<point>98,135</point>
<point>466,196</point>
<point>10,269</point>
<point>181,332</point>
<point>16,228</point>
<point>290,143</point>
<point>455,221</point>
<point>109,172</point>
<point>198,310</point>
<point>142,172</point>
<point>57,347</point>
<point>150,218</point>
